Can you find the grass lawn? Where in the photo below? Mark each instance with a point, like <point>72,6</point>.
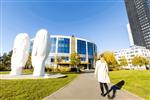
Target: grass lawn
<point>4,72</point>
<point>136,81</point>
<point>31,89</point>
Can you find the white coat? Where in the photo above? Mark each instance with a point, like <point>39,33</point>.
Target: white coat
<point>101,70</point>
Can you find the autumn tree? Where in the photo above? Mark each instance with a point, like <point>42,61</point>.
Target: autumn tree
<point>75,60</point>
<point>147,62</point>
<point>140,61</point>
<point>123,61</point>
<point>58,60</point>
<point>111,60</point>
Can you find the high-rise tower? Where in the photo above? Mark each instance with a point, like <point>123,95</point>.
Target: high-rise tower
<point>139,18</point>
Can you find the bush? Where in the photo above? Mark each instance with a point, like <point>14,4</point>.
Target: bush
<point>59,69</point>
<point>73,69</point>
<point>65,69</point>
<point>27,71</point>
<point>4,68</point>
<point>113,68</point>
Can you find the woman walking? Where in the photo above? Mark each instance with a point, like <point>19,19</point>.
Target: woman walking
<point>101,70</point>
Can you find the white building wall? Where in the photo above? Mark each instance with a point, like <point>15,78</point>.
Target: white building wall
<point>130,35</point>
<point>130,53</point>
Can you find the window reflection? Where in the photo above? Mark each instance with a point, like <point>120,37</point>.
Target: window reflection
<point>63,45</point>
<point>81,47</point>
<point>53,45</point>
<point>90,49</point>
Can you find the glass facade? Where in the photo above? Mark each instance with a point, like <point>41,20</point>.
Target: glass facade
<point>90,49</point>
<point>148,2</point>
<point>81,47</point>
<point>63,45</point>
<point>83,59</point>
<point>91,61</point>
<point>95,49</point>
<point>53,45</point>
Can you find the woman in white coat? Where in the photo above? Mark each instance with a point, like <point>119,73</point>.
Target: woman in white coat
<point>101,70</point>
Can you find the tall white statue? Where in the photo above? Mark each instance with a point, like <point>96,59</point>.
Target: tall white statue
<point>20,53</point>
<point>40,51</point>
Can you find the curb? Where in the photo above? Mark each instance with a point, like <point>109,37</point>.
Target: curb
<point>133,94</point>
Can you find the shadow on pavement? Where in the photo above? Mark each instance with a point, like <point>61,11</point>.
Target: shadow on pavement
<point>114,89</point>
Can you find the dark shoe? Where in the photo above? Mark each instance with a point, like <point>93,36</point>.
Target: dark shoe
<point>102,94</point>
<point>109,96</point>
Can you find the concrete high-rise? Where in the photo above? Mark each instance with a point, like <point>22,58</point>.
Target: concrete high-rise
<point>139,18</point>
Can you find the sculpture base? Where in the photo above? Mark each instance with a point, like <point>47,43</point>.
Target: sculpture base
<point>30,76</point>
<point>16,71</point>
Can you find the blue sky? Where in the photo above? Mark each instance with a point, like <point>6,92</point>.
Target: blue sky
<point>101,21</point>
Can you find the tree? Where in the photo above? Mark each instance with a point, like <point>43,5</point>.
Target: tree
<point>147,62</point>
<point>6,61</point>
<point>75,60</point>
<point>29,62</point>
<point>140,61</point>
<point>57,61</point>
<point>111,60</point>
<point>123,61</point>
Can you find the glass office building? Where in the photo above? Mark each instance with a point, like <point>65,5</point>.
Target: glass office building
<point>62,47</point>
<point>139,18</point>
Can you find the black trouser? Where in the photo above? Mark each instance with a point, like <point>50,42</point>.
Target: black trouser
<point>102,86</point>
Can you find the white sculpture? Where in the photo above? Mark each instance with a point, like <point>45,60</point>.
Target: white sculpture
<point>20,53</point>
<point>40,51</point>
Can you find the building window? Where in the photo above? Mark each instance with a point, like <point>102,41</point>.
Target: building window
<point>95,49</point>
<point>83,59</point>
<point>52,45</point>
<point>52,59</point>
<point>81,47</point>
<point>63,45</point>
<point>64,59</point>
<point>90,49</point>
<point>91,60</point>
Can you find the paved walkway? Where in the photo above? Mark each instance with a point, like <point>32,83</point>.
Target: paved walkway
<point>86,87</point>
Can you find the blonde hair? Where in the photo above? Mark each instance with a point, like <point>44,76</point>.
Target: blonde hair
<point>100,56</point>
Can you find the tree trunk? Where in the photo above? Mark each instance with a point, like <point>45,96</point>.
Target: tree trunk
<point>77,69</point>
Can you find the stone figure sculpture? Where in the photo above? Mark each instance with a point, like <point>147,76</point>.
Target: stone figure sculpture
<point>20,53</point>
<point>40,51</point>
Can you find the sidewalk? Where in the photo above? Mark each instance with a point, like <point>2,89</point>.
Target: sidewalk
<point>86,87</point>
